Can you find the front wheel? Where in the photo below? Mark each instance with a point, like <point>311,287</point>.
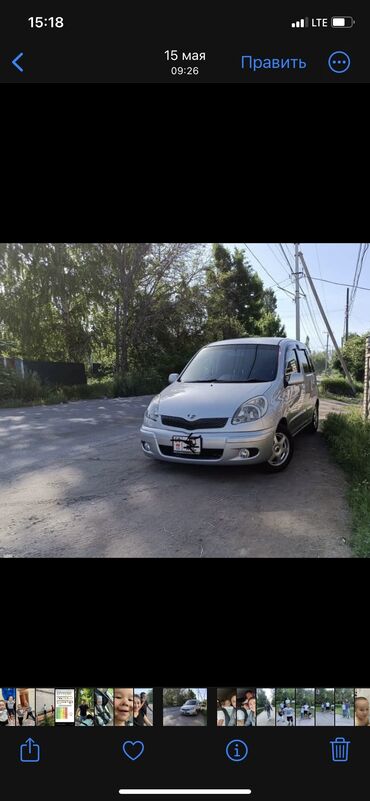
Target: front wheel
<point>282,451</point>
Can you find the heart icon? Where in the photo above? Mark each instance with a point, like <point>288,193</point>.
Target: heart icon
<point>133,749</point>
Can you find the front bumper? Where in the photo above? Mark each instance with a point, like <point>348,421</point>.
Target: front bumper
<point>222,447</point>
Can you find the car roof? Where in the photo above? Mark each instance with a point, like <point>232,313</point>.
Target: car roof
<point>257,341</point>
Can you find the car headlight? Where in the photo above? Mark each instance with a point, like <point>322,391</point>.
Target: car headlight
<point>151,414</point>
<point>250,410</point>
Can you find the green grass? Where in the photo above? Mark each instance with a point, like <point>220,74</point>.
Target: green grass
<point>348,438</point>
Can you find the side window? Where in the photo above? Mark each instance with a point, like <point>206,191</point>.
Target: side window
<point>310,362</point>
<point>291,361</point>
<point>303,358</point>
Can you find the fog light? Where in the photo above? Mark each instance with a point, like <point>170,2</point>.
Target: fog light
<point>146,446</point>
<point>244,453</point>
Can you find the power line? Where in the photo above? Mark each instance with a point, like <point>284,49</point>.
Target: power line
<point>361,264</point>
<point>280,283</point>
<point>312,313</point>
<point>266,271</point>
<point>285,256</point>
<point>355,276</point>
<point>326,281</point>
<point>315,325</point>
<point>277,259</point>
<point>289,250</point>
<point>318,262</point>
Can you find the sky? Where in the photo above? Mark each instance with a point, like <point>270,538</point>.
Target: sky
<point>334,262</point>
<point>269,693</point>
<point>201,693</point>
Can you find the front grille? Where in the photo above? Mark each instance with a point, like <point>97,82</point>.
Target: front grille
<point>193,425</point>
<point>207,453</point>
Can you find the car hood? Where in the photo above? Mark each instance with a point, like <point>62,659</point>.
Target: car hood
<point>207,400</point>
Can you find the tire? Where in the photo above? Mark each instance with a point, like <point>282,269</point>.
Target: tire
<point>314,424</point>
<point>283,439</point>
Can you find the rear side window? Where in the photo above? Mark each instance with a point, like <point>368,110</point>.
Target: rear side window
<point>291,361</point>
<point>304,360</point>
<point>310,362</point>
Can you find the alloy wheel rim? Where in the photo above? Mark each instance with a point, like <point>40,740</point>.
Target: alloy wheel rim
<point>280,449</point>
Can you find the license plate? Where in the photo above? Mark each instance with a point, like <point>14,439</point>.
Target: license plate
<point>187,444</point>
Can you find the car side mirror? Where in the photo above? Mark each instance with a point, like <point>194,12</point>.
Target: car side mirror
<point>172,377</point>
<point>292,379</point>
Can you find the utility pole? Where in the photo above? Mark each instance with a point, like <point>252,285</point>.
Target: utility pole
<point>332,337</point>
<point>347,309</point>
<point>297,321</point>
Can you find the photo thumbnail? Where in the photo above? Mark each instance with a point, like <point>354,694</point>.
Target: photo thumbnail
<point>25,707</point>
<point>84,707</point>
<point>266,707</point>
<point>45,709</point>
<point>226,706</point>
<point>246,706</point>
<point>324,706</point>
<point>285,706</point>
<point>7,706</point>
<point>104,711</point>
<point>362,703</point>
<point>185,707</point>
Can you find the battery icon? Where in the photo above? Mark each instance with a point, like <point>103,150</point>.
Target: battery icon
<point>342,22</point>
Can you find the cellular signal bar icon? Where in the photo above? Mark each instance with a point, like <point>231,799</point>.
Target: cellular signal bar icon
<point>300,23</point>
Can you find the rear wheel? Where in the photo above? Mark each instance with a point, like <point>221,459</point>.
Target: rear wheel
<point>314,424</point>
<point>282,450</point>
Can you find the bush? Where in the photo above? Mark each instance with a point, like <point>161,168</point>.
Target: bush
<point>55,395</point>
<point>28,388</point>
<point>7,383</point>
<point>338,385</point>
<point>143,382</point>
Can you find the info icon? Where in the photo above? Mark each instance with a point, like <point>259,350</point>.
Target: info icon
<point>236,750</point>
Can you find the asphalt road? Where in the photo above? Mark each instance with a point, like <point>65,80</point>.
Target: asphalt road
<point>173,717</point>
<point>74,483</point>
<point>324,718</point>
<point>263,720</point>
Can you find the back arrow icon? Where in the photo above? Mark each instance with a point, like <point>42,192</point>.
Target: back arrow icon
<point>15,62</point>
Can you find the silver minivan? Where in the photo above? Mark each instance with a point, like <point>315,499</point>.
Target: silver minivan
<point>239,401</point>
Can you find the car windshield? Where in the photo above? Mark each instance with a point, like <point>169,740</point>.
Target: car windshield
<point>233,364</point>
<point>189,703</point>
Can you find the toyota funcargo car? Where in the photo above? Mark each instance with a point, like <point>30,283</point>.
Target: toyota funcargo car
<point>239,401</point>
<point>190,707</point>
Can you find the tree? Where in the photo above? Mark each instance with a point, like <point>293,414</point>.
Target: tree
<point>304,696</point>
<point>44,302</point>
<point>142,280</point>
<point>319,360</point>
<point>354,355</point>
<point>237,304</point>
<point>135,306</point>
<point>261,698</point>
<point>323,695</point>
<point>282,694</point>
